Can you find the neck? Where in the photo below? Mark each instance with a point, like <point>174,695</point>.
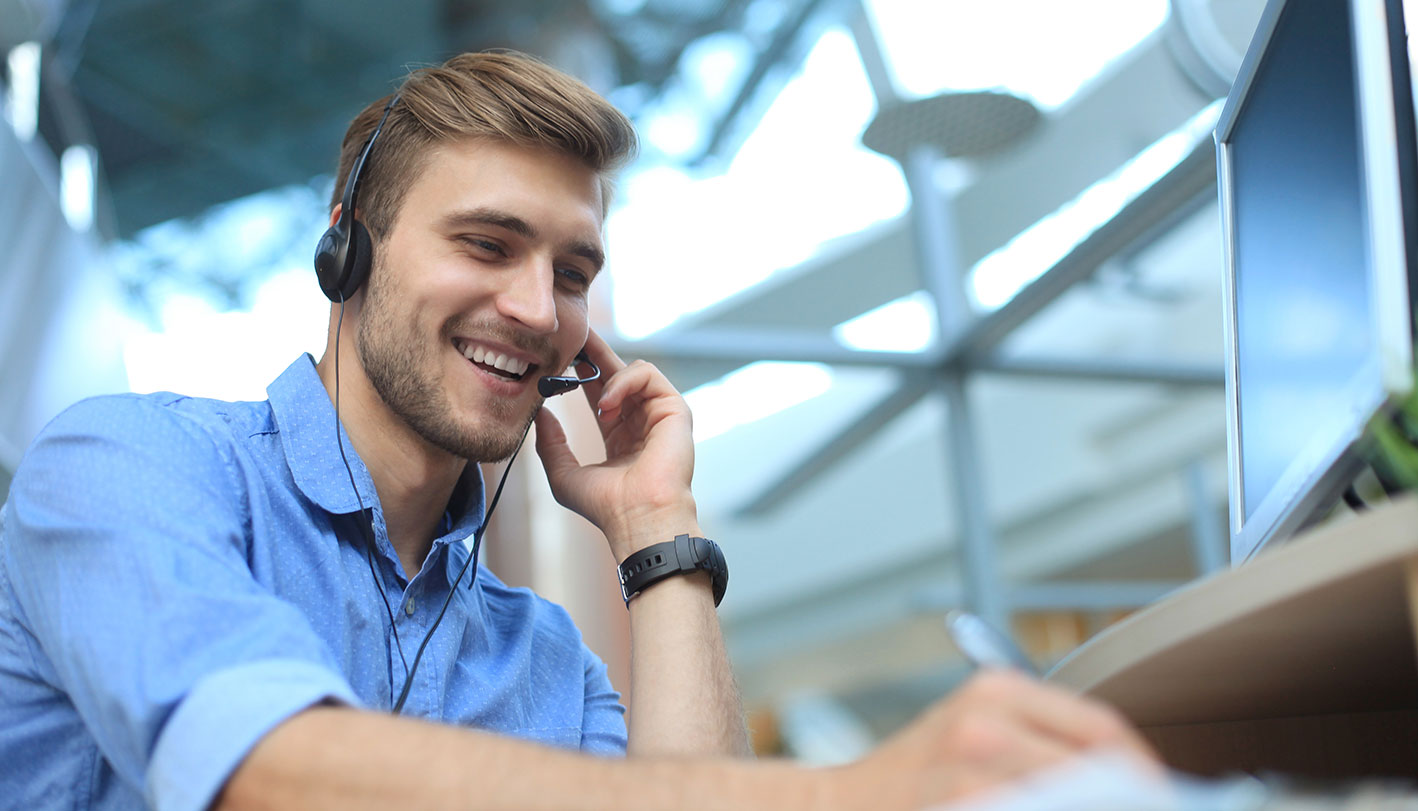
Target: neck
<point>414,480</point>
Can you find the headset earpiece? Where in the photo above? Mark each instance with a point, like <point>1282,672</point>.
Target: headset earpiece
<point>342,264</point>
<point>344,253</point>
<point>330,261</point>
<point>360,259</point>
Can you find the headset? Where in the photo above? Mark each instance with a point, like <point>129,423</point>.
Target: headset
<point>342,262</point>
<point>342,258</point>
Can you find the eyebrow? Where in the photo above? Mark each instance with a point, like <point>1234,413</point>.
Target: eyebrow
<point>484,215</point>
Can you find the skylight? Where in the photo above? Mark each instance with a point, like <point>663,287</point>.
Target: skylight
<point>22,93</point>
<point>681,243</point>
<point>1044,50</point>
<point>252,254</point>
<point>76,186</point>
<point>230,355</point>
<point>996,278</point>
<point>753,392</point>
<point>904,325</point>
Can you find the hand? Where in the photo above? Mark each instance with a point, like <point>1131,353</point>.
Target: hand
<point>641,494</point>
<point>998,727</point>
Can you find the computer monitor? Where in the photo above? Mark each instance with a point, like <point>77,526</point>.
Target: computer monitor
<point>1315,161</point>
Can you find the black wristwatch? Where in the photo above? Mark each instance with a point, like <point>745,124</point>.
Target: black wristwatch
<point>683,555</point>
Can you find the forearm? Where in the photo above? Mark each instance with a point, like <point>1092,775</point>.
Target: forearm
<point>683,698</point>
<point>353,760</point>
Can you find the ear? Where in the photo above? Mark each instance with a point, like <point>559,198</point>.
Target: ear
<point>335,214</point>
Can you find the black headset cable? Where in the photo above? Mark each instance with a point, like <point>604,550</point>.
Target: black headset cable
<point>366,531</point>
<point>471,561</point>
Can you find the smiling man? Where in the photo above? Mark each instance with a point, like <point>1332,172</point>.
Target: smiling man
<point>211,604</point>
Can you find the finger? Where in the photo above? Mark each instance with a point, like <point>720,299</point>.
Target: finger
<point>1078,721</point>
<point>556,455</point>
<point>1001,749</point>
<point>606,360</point>
<point>638,380</point>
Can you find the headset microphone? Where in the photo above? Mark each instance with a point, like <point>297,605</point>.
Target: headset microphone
<point>550,386</point>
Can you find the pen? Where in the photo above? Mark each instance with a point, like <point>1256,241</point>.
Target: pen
<point>984,645</point>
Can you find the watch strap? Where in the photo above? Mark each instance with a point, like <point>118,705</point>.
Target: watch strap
<point>683,555</point>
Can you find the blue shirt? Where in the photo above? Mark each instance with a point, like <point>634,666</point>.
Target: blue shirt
<point>178,576</point>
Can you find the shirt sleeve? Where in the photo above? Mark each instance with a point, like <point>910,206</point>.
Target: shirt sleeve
<point>126,538</point>
<point>603,725</point>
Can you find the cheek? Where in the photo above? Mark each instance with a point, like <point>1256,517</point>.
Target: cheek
<point>439,293</point>
<point>574,324</point>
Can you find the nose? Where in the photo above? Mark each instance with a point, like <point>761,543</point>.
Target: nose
<point>529,296</point>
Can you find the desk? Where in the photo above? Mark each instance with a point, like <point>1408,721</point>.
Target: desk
<point>1302,660</point>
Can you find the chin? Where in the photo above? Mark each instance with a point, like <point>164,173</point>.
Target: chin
<point>486,439</point>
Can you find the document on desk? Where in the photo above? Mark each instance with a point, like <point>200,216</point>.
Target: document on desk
<point>1111,782</point>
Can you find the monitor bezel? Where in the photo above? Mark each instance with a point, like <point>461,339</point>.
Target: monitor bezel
<point>1331,460</point>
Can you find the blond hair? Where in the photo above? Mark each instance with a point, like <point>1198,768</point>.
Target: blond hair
<point>499,95</point>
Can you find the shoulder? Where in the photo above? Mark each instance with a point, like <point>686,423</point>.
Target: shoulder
<point>162,416</point>
<point>138,435</point>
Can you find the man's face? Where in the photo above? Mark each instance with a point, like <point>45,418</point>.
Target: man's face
<point>479,289</point>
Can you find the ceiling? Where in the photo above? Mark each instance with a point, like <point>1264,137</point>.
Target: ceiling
<point>193,104</point>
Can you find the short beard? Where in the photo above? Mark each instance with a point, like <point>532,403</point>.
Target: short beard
<point>402,369</point>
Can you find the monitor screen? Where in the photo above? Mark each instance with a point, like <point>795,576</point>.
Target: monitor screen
<point>1301,254</point>
<point>1313,197</point>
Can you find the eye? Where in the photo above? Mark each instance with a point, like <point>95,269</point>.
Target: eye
<point>574,276</point>
<point>481,245</point>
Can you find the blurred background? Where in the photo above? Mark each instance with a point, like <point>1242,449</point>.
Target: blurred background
<point>941,280</point>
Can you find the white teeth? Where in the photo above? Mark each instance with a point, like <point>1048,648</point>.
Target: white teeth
<point>505,363</point>
<point>511,365</point>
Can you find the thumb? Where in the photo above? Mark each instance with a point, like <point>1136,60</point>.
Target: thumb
<point>553,449</point>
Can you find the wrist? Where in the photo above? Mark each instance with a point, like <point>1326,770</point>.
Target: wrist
<point>684,556</point>
<point>649,527</point>
<point>692,587</point>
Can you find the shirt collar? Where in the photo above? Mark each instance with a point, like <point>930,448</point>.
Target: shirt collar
<point>305,417</point>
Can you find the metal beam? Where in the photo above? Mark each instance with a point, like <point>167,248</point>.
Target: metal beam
<point>1191,178</point>
<point>750,345</point>
<point>1070,595</point>
<point>1203,376</point>
<point>146,116</point>
<point>983,587</point>
<point>937,246</point>
<point>868,43</point>
<point>837,447</point>
<point>1091,595</point>
<point>1209,542</point>
<point>743,346</point>
<point>777,50</point>
<point>933,220</point>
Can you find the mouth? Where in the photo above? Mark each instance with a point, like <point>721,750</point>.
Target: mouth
<point>494,362</point>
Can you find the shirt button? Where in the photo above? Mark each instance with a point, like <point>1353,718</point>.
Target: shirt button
<point>409,607</point>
